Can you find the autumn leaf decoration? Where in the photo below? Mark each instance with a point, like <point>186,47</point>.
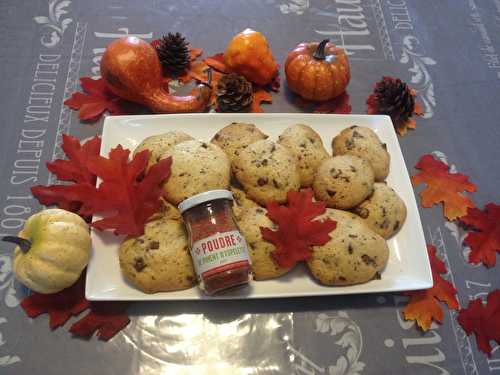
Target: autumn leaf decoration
<point>443,186</point>
<point>298,227</point>
<point>96,100</point>
<point>424,305</point>
<point>107,318</point>
<point>483,320</point>
<point>126,196</point>
<point>484,239</point>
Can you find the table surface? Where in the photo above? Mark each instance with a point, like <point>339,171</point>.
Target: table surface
<point>448,50</point>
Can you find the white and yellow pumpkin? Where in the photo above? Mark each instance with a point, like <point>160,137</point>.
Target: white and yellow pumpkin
<point>54,252</point>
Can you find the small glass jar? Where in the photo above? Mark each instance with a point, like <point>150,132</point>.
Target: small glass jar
<point>219,250</point>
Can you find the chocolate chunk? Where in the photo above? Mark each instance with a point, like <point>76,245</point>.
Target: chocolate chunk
<point>353,236</point>
<point>273,148</point>
<point>262,181</point>
<point>350,249</point>
<point>217,136</point>
<point>312,140</point>
<point>139,264</point>
<point>363,212</point>
<point>384,146</point>
<point>302,145</point>
<point>342,278</point>
<point>349,144</point>
<point>204,145</point>
<point>153,245</point>
<point>355,134</point>
<point>275,184</point>
<point>385,224</point>
<point>377,276</point>
<point>353,127</point>
<point>396,226</point>
<point>331,193</point>
<point>368,260</point>
<point>264,162</point>
<point>259,210</point>
<point>353,170</point>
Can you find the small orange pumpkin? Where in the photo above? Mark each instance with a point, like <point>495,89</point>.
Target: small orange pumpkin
<point>317,71</point>
<point>249,54</point>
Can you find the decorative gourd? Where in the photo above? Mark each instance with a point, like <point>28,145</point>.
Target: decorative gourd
<point>248,54</point>
<point>132,70</point>
<point>53,249</point>
<point>317,71</point>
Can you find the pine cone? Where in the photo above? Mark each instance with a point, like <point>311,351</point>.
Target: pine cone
<point>173,51</point>
<point>394,98</point>
<point>234,93</point>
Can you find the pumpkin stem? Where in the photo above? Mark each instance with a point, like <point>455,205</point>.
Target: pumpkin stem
<point>319,54</point>
<point>23,243</point>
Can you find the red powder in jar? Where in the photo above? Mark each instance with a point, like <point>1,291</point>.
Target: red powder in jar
<point>218,249</point>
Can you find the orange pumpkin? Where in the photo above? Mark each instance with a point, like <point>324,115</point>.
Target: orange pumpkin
<point>317,71</point>
<point>249,54</point>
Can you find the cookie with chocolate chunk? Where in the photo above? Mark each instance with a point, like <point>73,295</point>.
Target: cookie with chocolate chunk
<point>159,260</point>
<point>343,181</point>
<point>241,201</point>
<point>267,171</point>
<point>159,144</point>
<point>196,167</point>
<point>306,145</point>
<point>263,264</point>
<point>235,137</point>
<point>355,254</point>
<point>384,211</point>
<point>364,142</point>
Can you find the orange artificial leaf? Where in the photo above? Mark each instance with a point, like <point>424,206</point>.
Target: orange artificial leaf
<point>484,243</point>
<point>194,53</point>
<point>297,229</point>
<point>443,186</point>
<point>259,96</point>
<point>339,105</point>
<point>217,62</point>
<point>424,306</point>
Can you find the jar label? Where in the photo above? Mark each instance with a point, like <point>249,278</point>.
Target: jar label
<point>219,252</point>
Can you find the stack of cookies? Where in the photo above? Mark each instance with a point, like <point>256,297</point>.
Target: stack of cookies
<point>240,157</point>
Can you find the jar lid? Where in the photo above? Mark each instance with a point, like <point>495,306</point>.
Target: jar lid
<point>204,197</point>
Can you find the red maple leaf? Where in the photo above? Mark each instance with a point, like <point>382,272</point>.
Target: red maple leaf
<point>443,186</point>
<point>482,320</point>
<point>339,105</point>
<point>297,229</point>
<point>75,168</point>
<point>60,306</point>
<point>484,243</point>
<point>96,101</point>
<point>69,197</point>
<point>107,318</point>
<point>424,305</point>
<point>127,195</point>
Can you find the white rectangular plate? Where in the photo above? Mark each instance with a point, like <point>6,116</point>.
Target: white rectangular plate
<point>408,267</point>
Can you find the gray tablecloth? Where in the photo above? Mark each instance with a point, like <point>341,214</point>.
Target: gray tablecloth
<point>448,50</point>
